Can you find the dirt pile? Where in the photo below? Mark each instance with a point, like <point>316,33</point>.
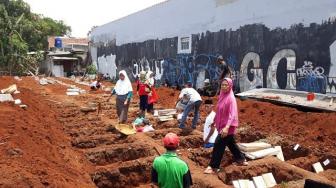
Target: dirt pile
<point>53,143</point>
<point>34,149</point>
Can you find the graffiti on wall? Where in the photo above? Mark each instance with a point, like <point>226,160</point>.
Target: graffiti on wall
<point>293,58</point>
<point>272,80</point>
<point>251,73</point>
<point>311,78</point>
<point>331,88</point>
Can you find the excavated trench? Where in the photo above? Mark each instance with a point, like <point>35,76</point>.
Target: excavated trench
<point>128,174</point>
<point>118,153</point>
<point>280,173</point>
<point>123,162</point>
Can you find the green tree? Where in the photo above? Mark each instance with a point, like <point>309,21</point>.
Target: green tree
<point>22,31</point>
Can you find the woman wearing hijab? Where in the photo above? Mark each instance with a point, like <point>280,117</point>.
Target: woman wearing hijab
<point>152,96</point>
<point>123,90</point>
<point>226,121</point>
<point>143,90</point>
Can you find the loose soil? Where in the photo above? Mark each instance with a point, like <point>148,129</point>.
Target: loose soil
<point>52,143</point>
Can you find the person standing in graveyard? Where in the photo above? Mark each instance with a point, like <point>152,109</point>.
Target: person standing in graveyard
<point>226,121</point>
<point>192,100</point>
<point>168,170</point>
<point>210,133</point>
<point>152,96</point>
<point>124,91</point>
<point>143,89</point>
<point>225,71</point>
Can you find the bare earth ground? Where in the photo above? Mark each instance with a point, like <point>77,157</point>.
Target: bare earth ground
<point>53,144</point>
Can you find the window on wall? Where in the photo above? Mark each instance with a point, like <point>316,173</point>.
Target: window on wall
<point>185,43</point>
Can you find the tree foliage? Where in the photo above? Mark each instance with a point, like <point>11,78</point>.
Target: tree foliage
<point>22,31</point>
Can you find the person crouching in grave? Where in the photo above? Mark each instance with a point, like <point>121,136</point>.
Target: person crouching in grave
<point>96,84</point>
<point>226,121</point>
<point>210,133</point>
<point>168,170</point>
<point>194,103</point>
<point>123,90</point>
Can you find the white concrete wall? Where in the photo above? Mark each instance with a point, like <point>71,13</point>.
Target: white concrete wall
<point>107,65</point>
<point>184,17</point>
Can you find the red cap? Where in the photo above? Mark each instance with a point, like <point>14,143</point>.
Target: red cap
<point>171,141</point>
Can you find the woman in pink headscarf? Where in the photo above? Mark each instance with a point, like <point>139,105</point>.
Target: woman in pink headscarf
<point>226,121</point>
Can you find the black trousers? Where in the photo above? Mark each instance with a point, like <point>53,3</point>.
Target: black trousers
<point>219,148</point>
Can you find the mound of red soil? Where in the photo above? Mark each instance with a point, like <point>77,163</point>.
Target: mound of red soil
<point>34,149</point>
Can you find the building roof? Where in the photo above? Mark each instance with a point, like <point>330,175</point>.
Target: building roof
<point>67,41</point>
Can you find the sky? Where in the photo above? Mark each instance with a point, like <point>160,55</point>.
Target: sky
<point>81,15</point>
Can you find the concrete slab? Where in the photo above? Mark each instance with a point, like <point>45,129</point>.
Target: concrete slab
<point>254,146</point>
<point>292,98</point>
<point>280,154</point>
<point>244,183</point>
<point>251,184</point>
<point>326,162</point>
<point>262,153</point>
<point>72,93</point>
<point>6,98</point>
<point>269,180</point>
<point>11,89</point>
<point>318,167</point>
<point>235,184</point>
<point>259,182</point>
<point>167,112</point>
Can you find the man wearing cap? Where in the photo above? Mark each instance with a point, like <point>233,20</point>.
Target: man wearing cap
<point>193,101</point>
<point>168,170</point>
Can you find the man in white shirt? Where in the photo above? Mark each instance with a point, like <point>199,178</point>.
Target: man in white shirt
<point>210,133</point>
<point>192,99</point>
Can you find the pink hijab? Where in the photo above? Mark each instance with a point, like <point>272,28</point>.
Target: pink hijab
<point>227,112</point>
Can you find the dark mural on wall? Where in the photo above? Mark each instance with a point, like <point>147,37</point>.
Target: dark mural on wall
<point>298,58</point>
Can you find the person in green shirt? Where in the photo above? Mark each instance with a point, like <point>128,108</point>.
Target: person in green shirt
<point>168,170</point>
